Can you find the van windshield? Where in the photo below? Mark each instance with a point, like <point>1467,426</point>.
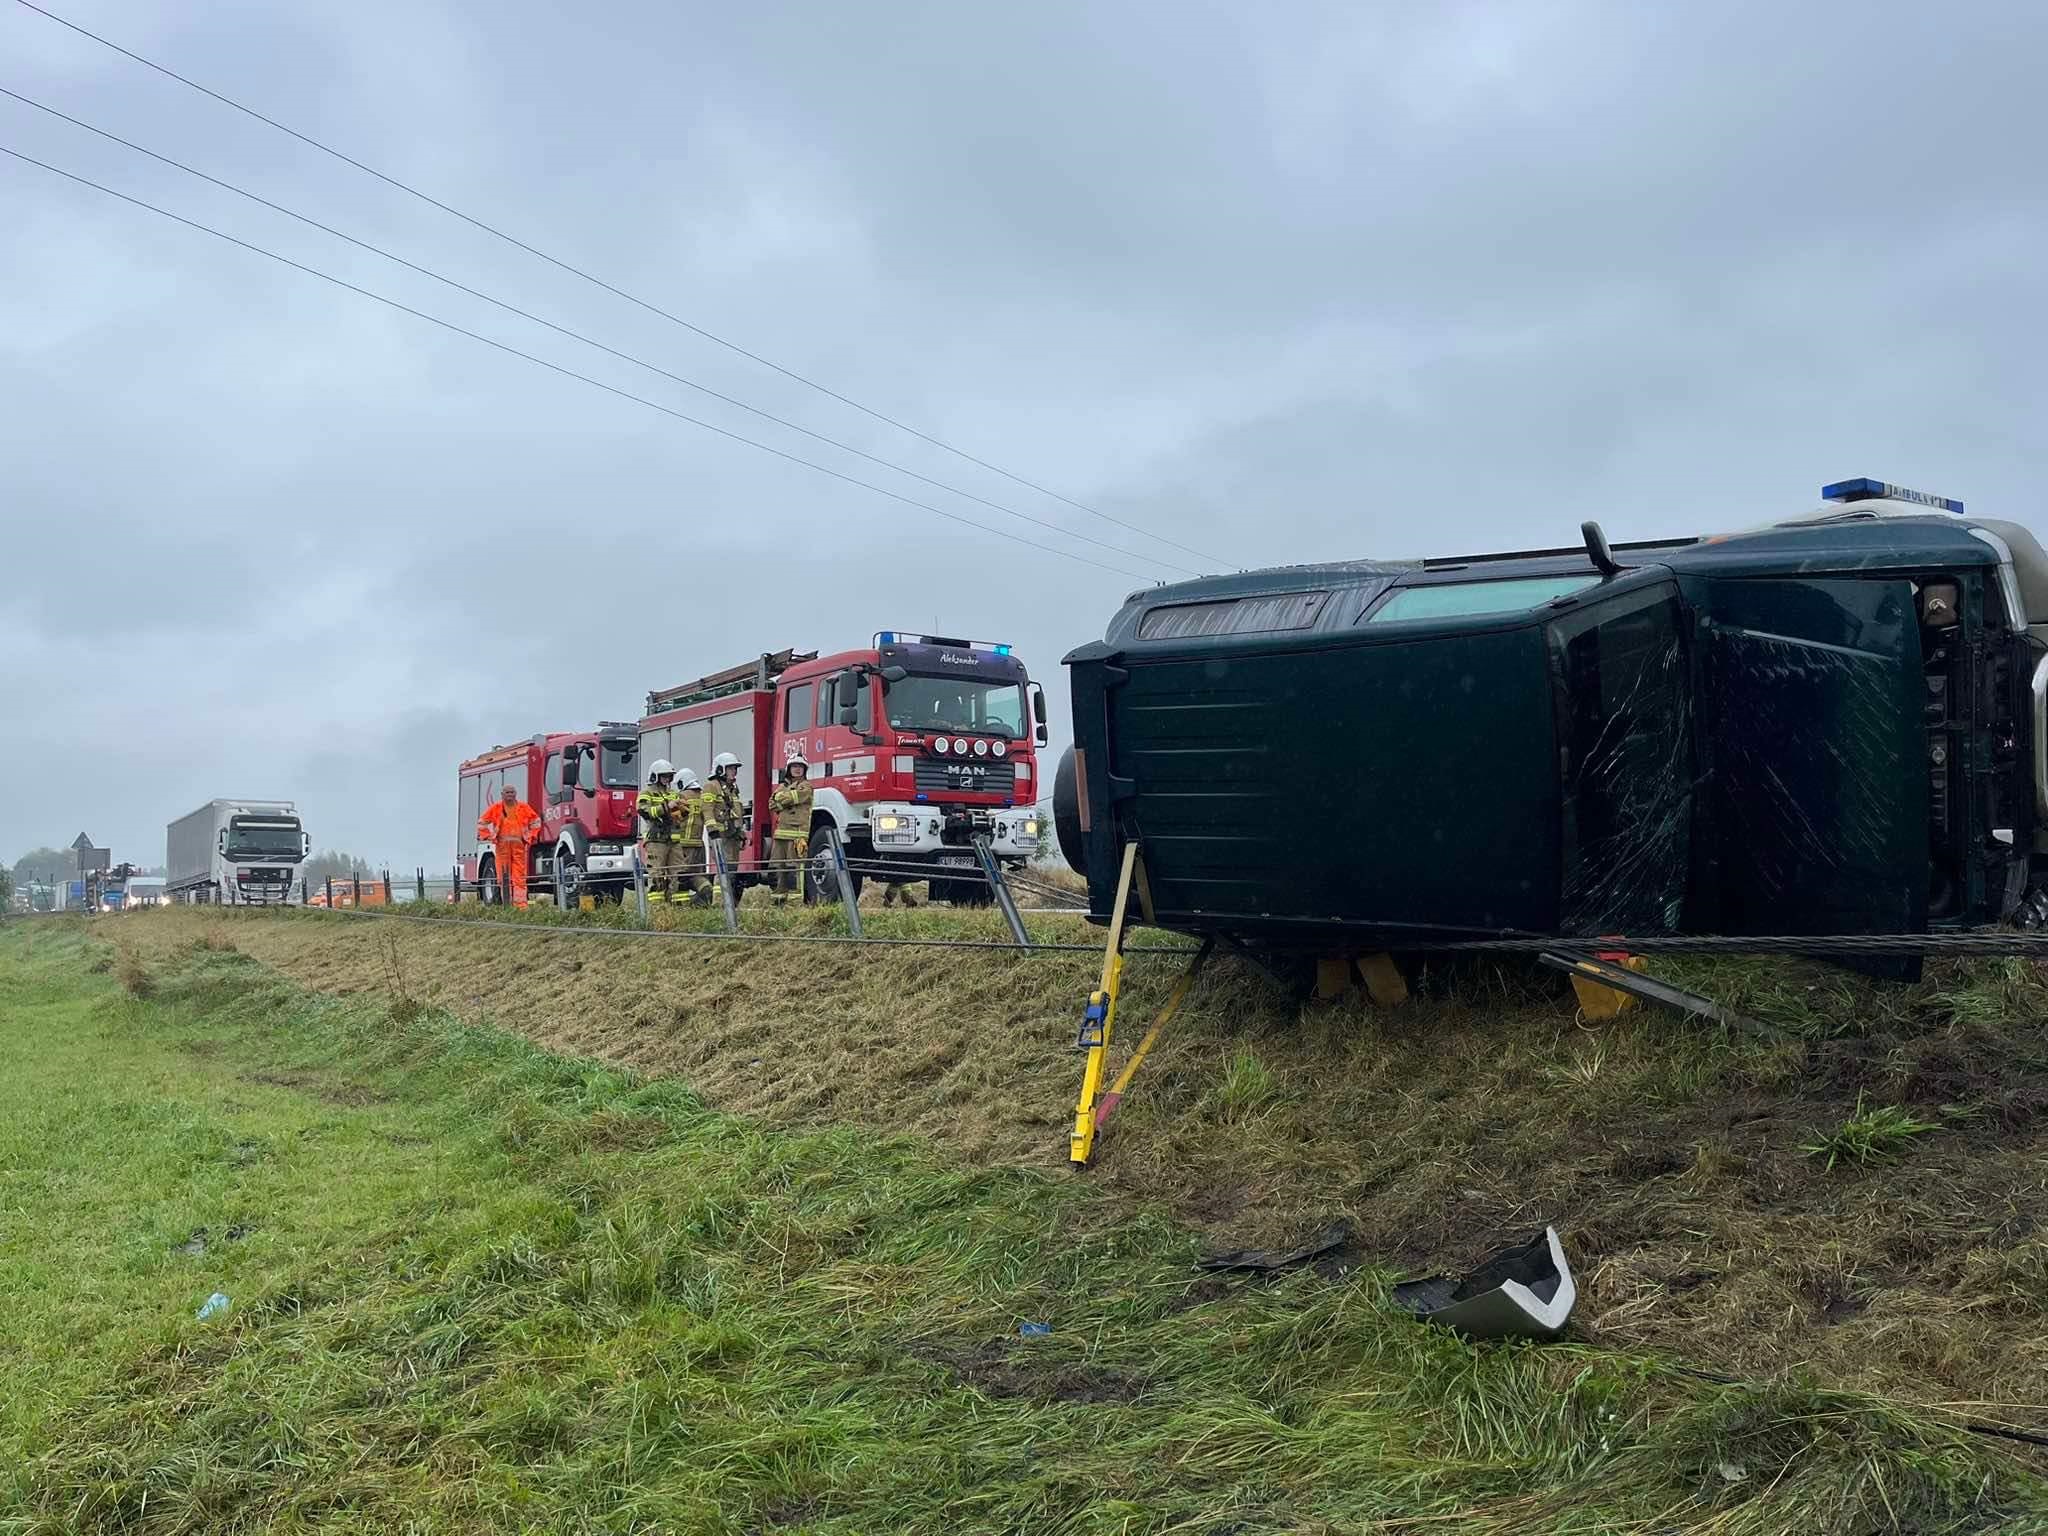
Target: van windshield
<point>955,704</point>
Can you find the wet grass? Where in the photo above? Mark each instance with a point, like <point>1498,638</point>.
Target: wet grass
<point>478,1286</point>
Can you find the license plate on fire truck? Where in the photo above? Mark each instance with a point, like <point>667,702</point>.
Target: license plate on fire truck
<point>957,860</point>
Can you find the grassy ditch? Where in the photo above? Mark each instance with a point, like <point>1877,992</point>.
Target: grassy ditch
<point>477,1285</point>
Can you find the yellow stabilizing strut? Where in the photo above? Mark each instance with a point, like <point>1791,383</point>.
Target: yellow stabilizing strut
<point>1098,1019</point>
<point>1174,999</point>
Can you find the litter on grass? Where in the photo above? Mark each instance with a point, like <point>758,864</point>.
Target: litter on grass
<point>1525,1291</point>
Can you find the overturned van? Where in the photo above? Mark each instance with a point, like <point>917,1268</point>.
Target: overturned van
<point>1832,725</point>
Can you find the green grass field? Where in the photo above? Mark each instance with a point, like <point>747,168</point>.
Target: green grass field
<point>479,1287</point>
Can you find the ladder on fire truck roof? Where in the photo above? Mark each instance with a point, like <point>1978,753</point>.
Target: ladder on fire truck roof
<point>759,673</point>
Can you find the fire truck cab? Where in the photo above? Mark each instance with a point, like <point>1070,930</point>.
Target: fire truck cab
<point>917,744</point>
<point>586,786</point>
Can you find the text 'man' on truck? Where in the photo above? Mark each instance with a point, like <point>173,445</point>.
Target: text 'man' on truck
<point>586,786</point>
<point>917,744</point>
<point>235,852</point>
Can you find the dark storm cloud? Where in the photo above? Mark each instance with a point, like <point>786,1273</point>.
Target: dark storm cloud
<point>1282,282</point>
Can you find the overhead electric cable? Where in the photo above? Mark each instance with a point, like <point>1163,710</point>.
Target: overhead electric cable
<point>618,292</point>
<point>575,335</point>
<point>566,372</point>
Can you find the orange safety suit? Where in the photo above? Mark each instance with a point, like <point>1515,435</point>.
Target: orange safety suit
<point>511,827</point>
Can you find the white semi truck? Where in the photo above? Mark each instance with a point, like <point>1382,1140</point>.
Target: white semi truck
<point>235,852</point>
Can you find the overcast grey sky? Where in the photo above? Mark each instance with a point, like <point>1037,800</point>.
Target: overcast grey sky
<point>1283,282</point>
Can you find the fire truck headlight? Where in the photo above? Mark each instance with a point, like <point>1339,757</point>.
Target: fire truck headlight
<point>1027,830</point>
<point>1001,749</point>
<point>981,749</point>
<point>889,821</point>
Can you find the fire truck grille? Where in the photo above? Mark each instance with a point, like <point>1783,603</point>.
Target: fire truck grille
<point>975,775</point>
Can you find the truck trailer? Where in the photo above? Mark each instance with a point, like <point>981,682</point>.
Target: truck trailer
<point>917,745</point>
<point>235,852</point>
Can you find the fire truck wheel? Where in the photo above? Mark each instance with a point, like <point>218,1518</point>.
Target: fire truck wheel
<point>487,882</point>
<point>568,879</point>
<point>821,876</point>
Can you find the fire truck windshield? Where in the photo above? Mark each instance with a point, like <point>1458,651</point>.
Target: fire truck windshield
<point>955,704</point>
<point>619,764</point>
<point>263,839</point>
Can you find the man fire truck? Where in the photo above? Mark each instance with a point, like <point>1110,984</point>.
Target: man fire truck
<point>586,786</point>
<point>916,744</point>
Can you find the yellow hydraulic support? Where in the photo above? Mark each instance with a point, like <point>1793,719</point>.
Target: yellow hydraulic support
<point>1098,1020</point>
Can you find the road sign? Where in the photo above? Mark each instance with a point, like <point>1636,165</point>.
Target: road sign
<point>80,843</point>
<point>90,859</point>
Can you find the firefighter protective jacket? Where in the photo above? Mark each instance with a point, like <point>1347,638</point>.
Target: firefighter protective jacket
<point>723,814</point>
<point>665,812</point>
<point>792,807</point>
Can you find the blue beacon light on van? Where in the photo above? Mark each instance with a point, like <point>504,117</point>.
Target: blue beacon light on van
<point>1862,490</point>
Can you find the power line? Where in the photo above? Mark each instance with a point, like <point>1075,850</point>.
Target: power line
<point>592,278</point>
<point>566,372</point>
<point>575,335</point>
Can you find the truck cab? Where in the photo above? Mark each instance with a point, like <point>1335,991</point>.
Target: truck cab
<point>586,787</point>
<point>917,744</point>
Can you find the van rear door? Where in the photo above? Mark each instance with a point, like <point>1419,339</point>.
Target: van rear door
<point>1811,746</point>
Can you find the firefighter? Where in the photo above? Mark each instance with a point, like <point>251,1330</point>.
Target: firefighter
<point>665,813</point>
<point>791,804</point>
<point>724,815</point>
<point>511,825</point>
<point>689,873</point>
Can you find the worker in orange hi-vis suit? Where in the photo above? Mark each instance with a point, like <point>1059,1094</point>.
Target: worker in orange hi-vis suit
<point>511,824</point>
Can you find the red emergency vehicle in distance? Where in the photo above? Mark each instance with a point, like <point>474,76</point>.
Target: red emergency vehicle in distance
<point>916,744</point>
<point>586,786</point>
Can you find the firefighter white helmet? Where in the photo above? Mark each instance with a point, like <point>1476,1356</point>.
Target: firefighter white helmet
<point>723,761</point>
<point>660,768</point>
<point>687,779</point>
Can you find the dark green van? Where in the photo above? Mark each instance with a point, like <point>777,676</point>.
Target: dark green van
<point>1825,726</point>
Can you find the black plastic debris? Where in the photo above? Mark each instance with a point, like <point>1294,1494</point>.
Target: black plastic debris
<point>1522,1292</point>
<point>1334,1236</point>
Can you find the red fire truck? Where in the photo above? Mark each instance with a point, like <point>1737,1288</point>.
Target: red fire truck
<point>586,786</point>
<point>916,744</point>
